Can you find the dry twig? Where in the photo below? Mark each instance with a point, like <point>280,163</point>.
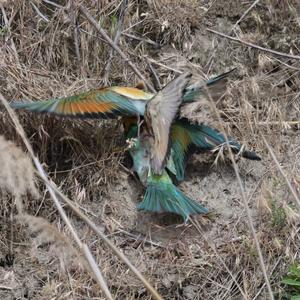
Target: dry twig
<point>116,40</point>
<point>253,45</point>
<point>146,40</point>
<point>244,15</point>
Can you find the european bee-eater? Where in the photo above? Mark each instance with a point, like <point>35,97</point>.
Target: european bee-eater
<point>186,138</point>
<point>151,153</point>
<point>163,144</point>
<point>161,194</point>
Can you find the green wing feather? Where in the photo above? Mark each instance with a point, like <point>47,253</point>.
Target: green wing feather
<point>105,103</point>
<point>185,136</point>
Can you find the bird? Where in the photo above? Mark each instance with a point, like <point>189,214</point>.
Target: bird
<point>187,138</point>
<point>162,151</point>
<point>151,157</point>
<point>161,194</point>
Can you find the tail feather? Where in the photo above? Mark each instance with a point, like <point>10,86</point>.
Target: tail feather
<point>207,138</point>
<point>166,197</point>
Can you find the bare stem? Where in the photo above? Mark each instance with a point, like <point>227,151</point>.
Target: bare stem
<point>244,15</point>
<point>116,40</point>
<point>253,45</point>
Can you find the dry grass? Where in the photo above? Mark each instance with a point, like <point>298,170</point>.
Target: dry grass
<point>51,51</point>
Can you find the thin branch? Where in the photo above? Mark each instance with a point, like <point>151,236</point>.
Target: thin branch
<point>116,40</point>
<point>146,40</point>
<point>75,30</point>
<point>294,193</point>
<point>102,32</point>
<point>39,12</point>
<point>283,123</point>
<point>5,287</point>
<point>243,16</point>
<point>253,45</point>
<point>164,66</point>
<point>53,3</point>
<point>139,238</point>
<point>90,259</point>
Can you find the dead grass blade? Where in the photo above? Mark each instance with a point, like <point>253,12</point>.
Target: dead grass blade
<point>102,32</point>
<point>294,193</point>
<point>212,246</point>
<point>244,15</point>
<point>253,45</point>
<point>90,259</point>
<point>13,45</point>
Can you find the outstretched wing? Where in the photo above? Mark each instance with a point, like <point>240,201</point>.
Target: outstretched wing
<point>160,113</point>
<point>214,88</point>
<point>186,136</point>
<point>106,102</point>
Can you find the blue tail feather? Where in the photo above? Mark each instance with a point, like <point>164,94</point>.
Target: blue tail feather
<point>166,197</point>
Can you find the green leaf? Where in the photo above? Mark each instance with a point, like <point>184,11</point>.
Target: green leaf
<point>297,297</point>
<point>294,270</point>
<point>293,282</point>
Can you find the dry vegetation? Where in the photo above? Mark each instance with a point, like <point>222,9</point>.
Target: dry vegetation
<point>49,49</point>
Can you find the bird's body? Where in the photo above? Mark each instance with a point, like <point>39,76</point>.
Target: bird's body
<point>161,194</point>
<point>187,138</point>
<point>152,155</point>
